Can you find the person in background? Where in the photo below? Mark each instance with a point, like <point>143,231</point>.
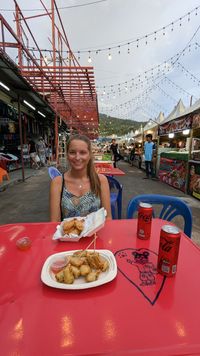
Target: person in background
<point>80,190</point>
<point>132,154</point>
<point>148,156</point>
<point>33,154</point>
<point>115,151</point>
<point>41,151</point>
<point>48,154</point>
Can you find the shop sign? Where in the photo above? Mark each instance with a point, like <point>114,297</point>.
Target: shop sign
<point>175,126</point>
<point>196,121</point>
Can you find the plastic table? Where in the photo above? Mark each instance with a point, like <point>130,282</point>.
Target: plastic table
<point>138,313</point>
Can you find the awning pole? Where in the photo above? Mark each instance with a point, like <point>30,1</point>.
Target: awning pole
<point>21,137</point>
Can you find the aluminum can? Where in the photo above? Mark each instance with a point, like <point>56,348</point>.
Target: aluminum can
<point>144,221</point>
<point>168,250</point>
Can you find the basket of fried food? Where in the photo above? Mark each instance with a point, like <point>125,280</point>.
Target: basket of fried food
<point>72,229</point>
<point>79,269</point>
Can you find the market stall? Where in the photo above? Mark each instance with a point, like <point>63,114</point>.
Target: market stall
<point>194,162</point>
<point>174,150</point>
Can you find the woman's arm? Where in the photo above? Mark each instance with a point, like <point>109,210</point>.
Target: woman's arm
<point>105,195</point>
<point>55,196</point>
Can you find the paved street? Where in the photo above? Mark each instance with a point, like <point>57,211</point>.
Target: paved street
<point>29,201</point>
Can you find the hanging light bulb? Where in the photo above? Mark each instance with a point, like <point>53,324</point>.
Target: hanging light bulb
<point>109,56</point>
<point>89,59</point>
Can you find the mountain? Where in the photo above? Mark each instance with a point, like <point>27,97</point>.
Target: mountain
<point>109,125</point>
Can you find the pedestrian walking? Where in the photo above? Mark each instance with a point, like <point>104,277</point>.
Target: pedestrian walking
<point>41,151</point>
<point>132,154</point>
<point>34,159</point>
<point>115,151</point>
<point>148,156</point>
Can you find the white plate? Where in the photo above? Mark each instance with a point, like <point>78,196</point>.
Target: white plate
<point>49,279</point>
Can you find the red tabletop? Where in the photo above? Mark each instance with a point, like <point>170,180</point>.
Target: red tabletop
<point>110,171</point>
<point>138,313</point>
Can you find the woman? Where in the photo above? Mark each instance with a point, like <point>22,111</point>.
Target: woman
<point>80,190</point>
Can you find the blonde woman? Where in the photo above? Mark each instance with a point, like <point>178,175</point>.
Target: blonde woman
<point>80,190</point>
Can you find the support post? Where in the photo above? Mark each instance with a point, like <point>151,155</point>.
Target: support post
<point>21,137</point>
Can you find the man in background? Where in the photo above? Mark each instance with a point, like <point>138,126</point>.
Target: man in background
<point>148,156</point>
<point>115,151</point>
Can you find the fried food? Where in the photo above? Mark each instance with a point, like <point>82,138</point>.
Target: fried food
<point>67,225</point>
<point>84,270</point>
<point>87,264</point>
<point>60,276</point>
<point>92,276</point>
<point>68,275</point>
<point>76,271</point>
<point>73,226</point>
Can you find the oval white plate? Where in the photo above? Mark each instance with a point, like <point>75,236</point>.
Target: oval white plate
<point>49,279</point>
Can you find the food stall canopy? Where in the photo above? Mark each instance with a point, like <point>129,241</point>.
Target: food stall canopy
<point>179,110</point>
<point>67,87</point>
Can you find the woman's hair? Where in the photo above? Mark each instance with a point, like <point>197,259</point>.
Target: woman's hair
<point>92,174</point>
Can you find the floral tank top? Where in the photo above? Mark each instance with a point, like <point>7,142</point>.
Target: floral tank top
<point>71,205</point>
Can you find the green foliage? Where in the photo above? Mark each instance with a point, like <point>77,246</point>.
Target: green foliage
<point>111,125</point>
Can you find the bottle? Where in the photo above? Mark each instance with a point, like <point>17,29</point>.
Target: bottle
<point>168,250</point>
<point>144,221</point>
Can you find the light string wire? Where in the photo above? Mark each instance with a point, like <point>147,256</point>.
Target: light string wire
<point>60,8</point>
<point>118,46</point>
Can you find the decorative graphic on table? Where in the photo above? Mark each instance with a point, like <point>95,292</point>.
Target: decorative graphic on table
<point>138,266</point>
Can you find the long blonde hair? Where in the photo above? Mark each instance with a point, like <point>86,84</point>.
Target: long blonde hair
<point>91,172</point>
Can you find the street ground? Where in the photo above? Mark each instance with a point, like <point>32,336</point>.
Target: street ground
<point>29,201</point>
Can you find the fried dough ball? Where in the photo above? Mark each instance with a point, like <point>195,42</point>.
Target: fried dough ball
<point>60,276</point>
<point>67,225</point>
<point>74,231</point>
<point>76,261</point>
<point>68,275</point>
<point>76,271</point>
<point>79,224</point>
<point>92,276</point>
<point>84,270</point>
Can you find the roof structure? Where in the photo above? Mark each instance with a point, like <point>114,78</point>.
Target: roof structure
<point>68,88</point>
<point>178,110</point>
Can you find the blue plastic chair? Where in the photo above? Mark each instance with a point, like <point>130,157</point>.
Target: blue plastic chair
<point>53,172</point>
<point>115,197</point>
<point>171,207</point>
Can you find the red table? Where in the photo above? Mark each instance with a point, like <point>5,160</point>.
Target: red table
<point>138,313</point>
<point>110,171</point>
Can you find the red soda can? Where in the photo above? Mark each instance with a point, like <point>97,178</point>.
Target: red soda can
<point>144,221</point>
<point>168,250</point>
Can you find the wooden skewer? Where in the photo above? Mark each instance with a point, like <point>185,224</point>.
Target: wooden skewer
<point>93,241</point>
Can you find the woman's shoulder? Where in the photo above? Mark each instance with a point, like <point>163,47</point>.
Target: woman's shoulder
<point>57,181</point>
<point>102,178</point>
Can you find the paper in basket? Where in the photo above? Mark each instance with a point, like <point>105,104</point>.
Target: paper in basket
<point>93,222</point>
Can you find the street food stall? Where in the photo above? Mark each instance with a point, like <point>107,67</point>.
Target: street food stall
<point>174,149</point>
<point>194,162</point>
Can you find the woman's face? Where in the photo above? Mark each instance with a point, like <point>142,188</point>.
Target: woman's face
<point>78,154</point>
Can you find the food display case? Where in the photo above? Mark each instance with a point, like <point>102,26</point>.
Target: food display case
<point>173,169</point>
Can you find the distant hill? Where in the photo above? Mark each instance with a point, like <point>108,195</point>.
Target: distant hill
<point>111,125</point>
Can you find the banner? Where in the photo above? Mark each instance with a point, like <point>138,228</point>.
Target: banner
<point>196,121</point>
<point>175,126</point>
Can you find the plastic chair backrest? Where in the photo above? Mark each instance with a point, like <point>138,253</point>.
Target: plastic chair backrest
<point>115,196</point>
<point>53,172</point>
<point>171,207</point>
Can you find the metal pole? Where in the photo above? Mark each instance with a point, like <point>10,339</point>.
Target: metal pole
<point>21,137</point>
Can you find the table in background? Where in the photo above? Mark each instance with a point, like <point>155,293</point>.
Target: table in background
<point>138,313</point>
<point>110,171</point>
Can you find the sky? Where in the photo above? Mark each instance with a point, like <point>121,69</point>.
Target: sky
<point>151,72</point>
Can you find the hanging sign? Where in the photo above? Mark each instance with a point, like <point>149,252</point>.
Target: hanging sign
<point>175,126</point>
<point>196,121</point>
